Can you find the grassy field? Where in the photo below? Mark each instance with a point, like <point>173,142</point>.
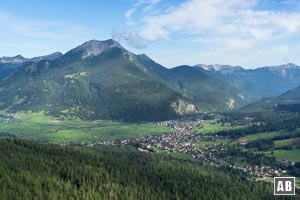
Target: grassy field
<point>207,142</point>
<point>212,128</point>
<point>297,182</point>
<point>178,155</point>
<point>37,126</point>
<point>253,137</point>
<point>293,155</point>
<point>288,142</point>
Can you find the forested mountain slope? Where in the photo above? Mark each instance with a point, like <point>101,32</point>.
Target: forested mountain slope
<point>29,170</point>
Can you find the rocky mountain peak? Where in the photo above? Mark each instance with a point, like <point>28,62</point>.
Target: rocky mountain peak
<point>95,47</point>
<point>220,68</point>
<point>14,59</point>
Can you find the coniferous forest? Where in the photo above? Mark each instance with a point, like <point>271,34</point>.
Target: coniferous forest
<point>29,170</point>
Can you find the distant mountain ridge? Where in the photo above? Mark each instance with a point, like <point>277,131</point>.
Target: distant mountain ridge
<point>52,56</point>
<point>207,91</point>
<point>293,94</point>
<point>9,65</point>
<point>259,82</point>
<point>13,60</point>
<point>224,69</point>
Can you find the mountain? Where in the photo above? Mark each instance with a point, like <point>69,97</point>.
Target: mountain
<point>208,92</point>
<point>9,65</point>
<point>96,80</point>
<point>260,82</point>
<point>223,69</point>
<point>95,48</point>
<point>12,60</point>
<point>293,94</point>
<point>102,80</point>
<point>288,101</point>
<point>288,71</point>
<point>52,56</point>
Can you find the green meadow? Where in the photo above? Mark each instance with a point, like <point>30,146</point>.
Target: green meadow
<point>40,127</point>
<point>293,155</point>
<point>213,128</point>
<point>208,142</point>
<point>252,137</point>
<point>288,142</point>
<point>182,156</point>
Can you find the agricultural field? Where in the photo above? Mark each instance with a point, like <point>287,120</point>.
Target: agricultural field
<point>252,137</point>
<point>212,128</point>
<point>208,142</point>
<point>298,182</point>
<point>293,155</point>
<point>294,142</point>
<point>178,155</point>
<point>40,127</point>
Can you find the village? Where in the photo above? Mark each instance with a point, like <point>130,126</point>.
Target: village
<point>208,148</point>
<point>9,118</point>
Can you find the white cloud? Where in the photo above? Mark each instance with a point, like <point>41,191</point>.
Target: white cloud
<point>129,13</point>
<point>131,38</point>
<point>219,18</point>
<point>261,33</point>
<point>236,32</point>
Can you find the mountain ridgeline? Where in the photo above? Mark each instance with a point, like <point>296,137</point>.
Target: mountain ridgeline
<point>9,65</point>
<point>206,91</point>
<point>102,80</point>
<point>261,82</point>
<point>288,101</point>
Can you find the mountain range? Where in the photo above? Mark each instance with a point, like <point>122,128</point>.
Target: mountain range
<point>288,101</point>
<point>260,82</point>
<point>103,80</point>
<point>9,65</point>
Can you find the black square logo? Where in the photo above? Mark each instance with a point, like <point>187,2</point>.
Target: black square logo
<point>284,185</point>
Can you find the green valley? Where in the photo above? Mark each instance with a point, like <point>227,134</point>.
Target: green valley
<point>150,100</point>
<point>45,128</point>
<point>116,125</point>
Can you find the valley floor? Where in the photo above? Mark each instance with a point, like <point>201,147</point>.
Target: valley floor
<point>191,138</point>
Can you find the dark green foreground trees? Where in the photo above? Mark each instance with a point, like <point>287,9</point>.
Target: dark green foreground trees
<point>29,170</point>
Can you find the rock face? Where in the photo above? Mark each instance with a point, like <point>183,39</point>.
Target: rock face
<point>95,48</point>
<point>182,107</point>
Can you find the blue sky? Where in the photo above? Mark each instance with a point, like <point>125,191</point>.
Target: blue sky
<point>250,33</point>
